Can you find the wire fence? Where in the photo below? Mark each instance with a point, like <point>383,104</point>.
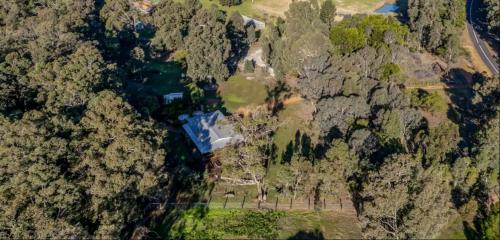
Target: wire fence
<point>309,204</point>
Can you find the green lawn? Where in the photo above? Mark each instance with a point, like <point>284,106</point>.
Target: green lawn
<point>291,225</point>
<point>319,225</point>
<point>164,77</point>
<point>239,92</point>
<point>291,121</point>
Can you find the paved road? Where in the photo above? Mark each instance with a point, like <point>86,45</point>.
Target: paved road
<point>479,44</point>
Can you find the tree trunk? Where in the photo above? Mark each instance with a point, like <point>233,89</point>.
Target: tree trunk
<point>259,190</point>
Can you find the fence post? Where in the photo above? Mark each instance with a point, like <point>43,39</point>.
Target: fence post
<point>309,202</point>
<point>225,202</point>
<point>276,205</point>
<point>291,202</point>
<point>324,203</point>
<point>243,202</point>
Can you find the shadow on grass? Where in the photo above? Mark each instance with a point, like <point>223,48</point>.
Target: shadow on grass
<point>306,235</point>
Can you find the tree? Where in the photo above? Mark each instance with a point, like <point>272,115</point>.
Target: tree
<point>209,47</point>
<point>121,162</point>
<point>338,114</point>
<point>403,200</point>
<point>363,143</point>
<point>492,8</point>
<point>347,40</point>
<point>38,197</point>
<point>441,141</point>
<point>171,20</point>
<point>249,157</point>
<point>437,24</point>
<point>296,175</point>
<point>327,12</point>
<point>119,21</point>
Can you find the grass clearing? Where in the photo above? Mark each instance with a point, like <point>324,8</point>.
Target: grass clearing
<point>165,77</point>
<point>294,118</point>
<point>292,224</point>
<point>238,92</point>
<point>319,225</point>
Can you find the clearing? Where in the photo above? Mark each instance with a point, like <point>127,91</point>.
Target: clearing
<point>295,118</point>
<point>293,224</point>
<point>238,93</point>
<point>164,77</point>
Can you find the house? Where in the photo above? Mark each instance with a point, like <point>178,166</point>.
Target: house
<point>144,6</point>
<point>169,98</point>
<point>259,25</point>
<point>210,132</point>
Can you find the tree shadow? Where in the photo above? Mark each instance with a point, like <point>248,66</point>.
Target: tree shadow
<point>316,234</point>
<point>468,114</point>
<point>301,145</point>
<point>461,107</point>
<point>276,95</point>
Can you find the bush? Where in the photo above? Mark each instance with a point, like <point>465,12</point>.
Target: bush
<point>389,70</point>
<point>432,102</point>
<point>254,224</point>
<point>347,40</point>
<point>249,66</point>
<point>230,2</point>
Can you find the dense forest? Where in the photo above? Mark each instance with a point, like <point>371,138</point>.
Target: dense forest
<point>84,156</point>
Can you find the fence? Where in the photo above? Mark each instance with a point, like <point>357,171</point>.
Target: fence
<point>344,205</point>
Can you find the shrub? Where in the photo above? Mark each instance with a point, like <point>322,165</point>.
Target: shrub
<point>230,2</point>
<point>432,102</point>
<point>249,66</point>
<point>389,70</point>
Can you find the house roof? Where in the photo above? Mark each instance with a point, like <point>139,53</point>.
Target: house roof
<point>145,6</point>
<point>211,131</point>
<point>259,25</point>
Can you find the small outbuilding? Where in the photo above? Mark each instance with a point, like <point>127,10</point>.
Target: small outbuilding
<point>259,25</point>
<point>210,132</point>
<point>144,6</point>
<point>169,98</point>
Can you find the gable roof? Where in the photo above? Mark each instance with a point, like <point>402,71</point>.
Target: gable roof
<point>259,25</point>
<point>211,131</point>
<point>145,6</point>
<point>169,98</point>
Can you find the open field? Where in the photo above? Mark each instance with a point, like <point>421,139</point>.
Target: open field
<point>263,9</point>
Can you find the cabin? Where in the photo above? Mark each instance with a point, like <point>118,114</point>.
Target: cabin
<point>171,97</point>
<point>210,132</point>
<point>144,6</point>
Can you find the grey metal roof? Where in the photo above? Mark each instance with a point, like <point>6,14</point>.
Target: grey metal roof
<point>259,25</point>
<point>211,131</point>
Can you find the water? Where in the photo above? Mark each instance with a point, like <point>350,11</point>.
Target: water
<point>388,8</point>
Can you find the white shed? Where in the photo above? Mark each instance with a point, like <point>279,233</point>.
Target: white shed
<point>169,98</point>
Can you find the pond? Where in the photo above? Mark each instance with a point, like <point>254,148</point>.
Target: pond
<point>388,8</point>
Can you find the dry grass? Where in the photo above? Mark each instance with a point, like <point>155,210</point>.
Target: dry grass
<point>475,59</point>
<point>277,8</point>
